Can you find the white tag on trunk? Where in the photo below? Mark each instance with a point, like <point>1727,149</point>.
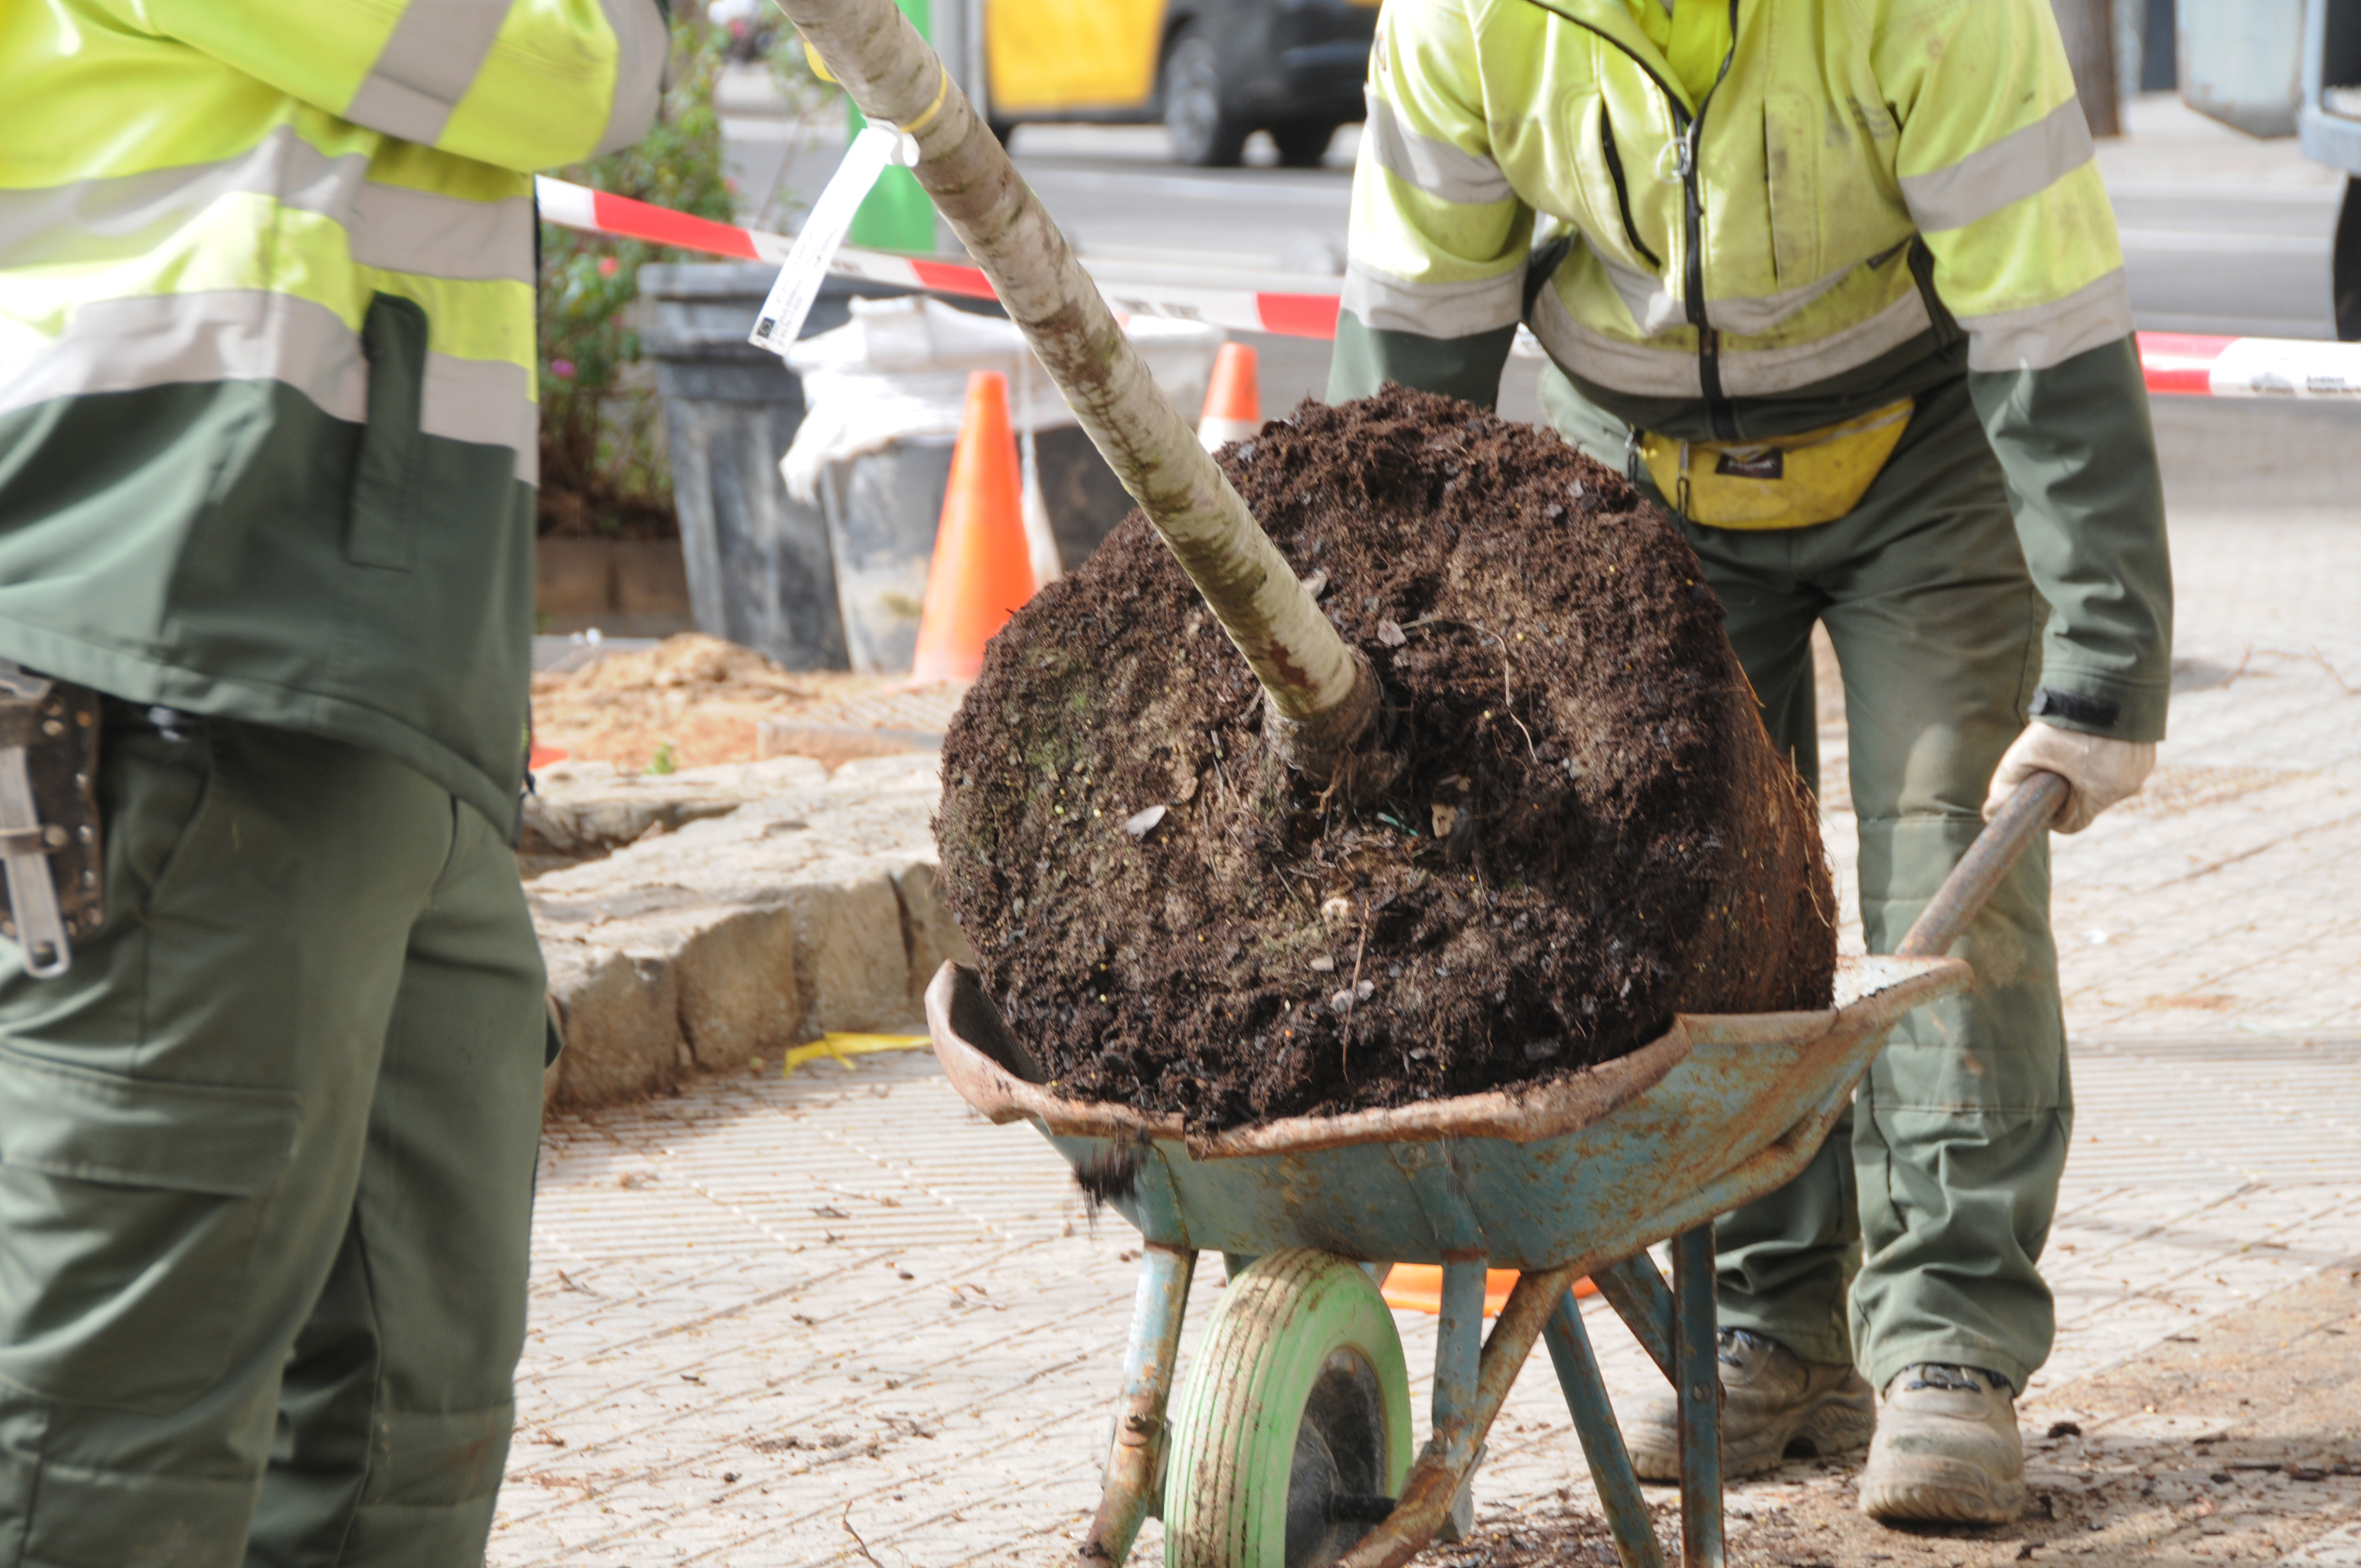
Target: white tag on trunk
<point>790,299</point>
<point>1040,538</point>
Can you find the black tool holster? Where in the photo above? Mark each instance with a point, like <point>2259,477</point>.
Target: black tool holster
<point>48,816</point>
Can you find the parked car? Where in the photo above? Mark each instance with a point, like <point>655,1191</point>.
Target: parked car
<point>2330,124</point>
<point>1214,71</point>
<point>2276,67</point>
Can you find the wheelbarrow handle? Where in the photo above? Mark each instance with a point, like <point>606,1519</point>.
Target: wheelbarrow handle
<point>1963,894</point>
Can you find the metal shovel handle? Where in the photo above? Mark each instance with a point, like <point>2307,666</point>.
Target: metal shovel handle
<point>1965,892</point>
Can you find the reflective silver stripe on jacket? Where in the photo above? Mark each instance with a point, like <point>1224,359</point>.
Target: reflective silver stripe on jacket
<point>1648,372</point>
<point>2039,336</point>
<point>405,230</point>
<point>1752,317</point>
<point>436,52</point>
<point>1609,362</point>
<point>1656,307</point>
<point>484,402</point>
<point>390,227</point>
<point>253,335</point>
<point>1427,164</point>
<point>2022,163</point>
<point>230,334</point>
<point>642,46</point>
<point>1387,303</point>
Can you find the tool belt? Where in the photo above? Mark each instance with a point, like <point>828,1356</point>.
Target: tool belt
<point>1786,481</point>
<point>48,816</point>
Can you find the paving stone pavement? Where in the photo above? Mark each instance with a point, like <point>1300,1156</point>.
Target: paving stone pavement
<point>838,1318</point>
<point>2219,902</point>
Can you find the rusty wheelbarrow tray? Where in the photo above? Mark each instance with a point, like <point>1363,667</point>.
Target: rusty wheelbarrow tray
<point>1573,1177</point>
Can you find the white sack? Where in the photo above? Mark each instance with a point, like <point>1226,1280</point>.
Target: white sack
<point>898,370</point>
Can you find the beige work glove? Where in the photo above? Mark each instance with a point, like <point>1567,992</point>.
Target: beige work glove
<point>2097,771</point>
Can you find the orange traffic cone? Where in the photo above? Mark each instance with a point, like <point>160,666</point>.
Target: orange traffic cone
<point>981,569</point>
<point>1418,1287</point>
<point>1233,400</point>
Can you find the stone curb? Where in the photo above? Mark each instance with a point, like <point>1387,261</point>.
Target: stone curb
<point>805,910</point>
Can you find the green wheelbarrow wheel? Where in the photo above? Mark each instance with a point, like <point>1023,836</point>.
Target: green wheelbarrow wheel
<point>1292,1435</point>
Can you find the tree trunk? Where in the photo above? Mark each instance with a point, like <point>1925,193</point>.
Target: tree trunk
<point>2088,28</point>
<point>1321,692</point>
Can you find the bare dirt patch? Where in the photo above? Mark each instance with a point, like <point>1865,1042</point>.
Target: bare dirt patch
<point>692,701</point>
<point>2239,1441</point>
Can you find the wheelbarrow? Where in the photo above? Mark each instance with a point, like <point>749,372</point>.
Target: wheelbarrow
<point>1291,1443</point>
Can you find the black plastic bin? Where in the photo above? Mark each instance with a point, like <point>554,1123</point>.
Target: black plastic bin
<point>763,565</point>
<point>760,571</point>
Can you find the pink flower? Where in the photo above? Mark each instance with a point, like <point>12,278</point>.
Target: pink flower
<point>606,266</point>
<point>562,368</point>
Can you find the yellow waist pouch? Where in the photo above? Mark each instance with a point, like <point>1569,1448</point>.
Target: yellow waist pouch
<point>1787,481</point>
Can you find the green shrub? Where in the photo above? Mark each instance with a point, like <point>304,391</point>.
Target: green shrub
<point>603,469</point>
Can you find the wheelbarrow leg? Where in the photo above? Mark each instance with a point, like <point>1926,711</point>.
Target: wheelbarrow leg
<point>1442,1464</point>
<point>1697,1392</point>
<point>1640,1297</point>
<point>1602,1439</point>
<point>1458,1351</point>
<point>1135,1464</point>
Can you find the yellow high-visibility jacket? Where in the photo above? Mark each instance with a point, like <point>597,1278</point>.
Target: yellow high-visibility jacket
<point>1871,196</point>
<point>267,420</point>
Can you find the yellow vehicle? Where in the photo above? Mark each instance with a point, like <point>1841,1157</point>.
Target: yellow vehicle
<point>1214,71</point>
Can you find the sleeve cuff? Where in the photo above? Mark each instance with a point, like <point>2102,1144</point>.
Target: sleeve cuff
<point>2093,704</point>
<point>1366,357</point>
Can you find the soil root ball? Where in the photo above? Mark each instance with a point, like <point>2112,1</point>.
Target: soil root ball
<point>1579,827</point>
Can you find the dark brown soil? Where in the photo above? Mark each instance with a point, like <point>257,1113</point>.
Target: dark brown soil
<point>1589,831</point>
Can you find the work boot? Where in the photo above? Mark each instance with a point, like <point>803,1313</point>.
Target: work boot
<point>1947,1450</point>
<point>1775,1404</point>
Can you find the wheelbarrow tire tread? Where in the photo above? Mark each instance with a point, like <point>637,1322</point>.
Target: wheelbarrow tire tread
<point>1234,1425</point>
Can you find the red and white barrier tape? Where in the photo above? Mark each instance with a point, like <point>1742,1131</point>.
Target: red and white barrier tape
<point>2249,367</point>
<point>1237,302</point>
<point>1295,306</point>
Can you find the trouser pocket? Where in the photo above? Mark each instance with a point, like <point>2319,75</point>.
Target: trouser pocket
<point>131,1208</point>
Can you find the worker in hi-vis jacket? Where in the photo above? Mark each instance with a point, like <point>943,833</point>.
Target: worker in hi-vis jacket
<point>1838,285</point>
<point>268,446</point>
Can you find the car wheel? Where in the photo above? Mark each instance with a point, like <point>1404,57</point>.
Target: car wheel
<point>1205,133</point>
<point>1303,144</point>
<point>2344,265</point>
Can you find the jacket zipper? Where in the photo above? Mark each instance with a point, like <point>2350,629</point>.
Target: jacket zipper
<point>1725,421</point>
<point>1687,132</point>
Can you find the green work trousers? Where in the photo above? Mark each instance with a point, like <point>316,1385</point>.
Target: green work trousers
<point>1940,1190</point>
<point>266,1169</point>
